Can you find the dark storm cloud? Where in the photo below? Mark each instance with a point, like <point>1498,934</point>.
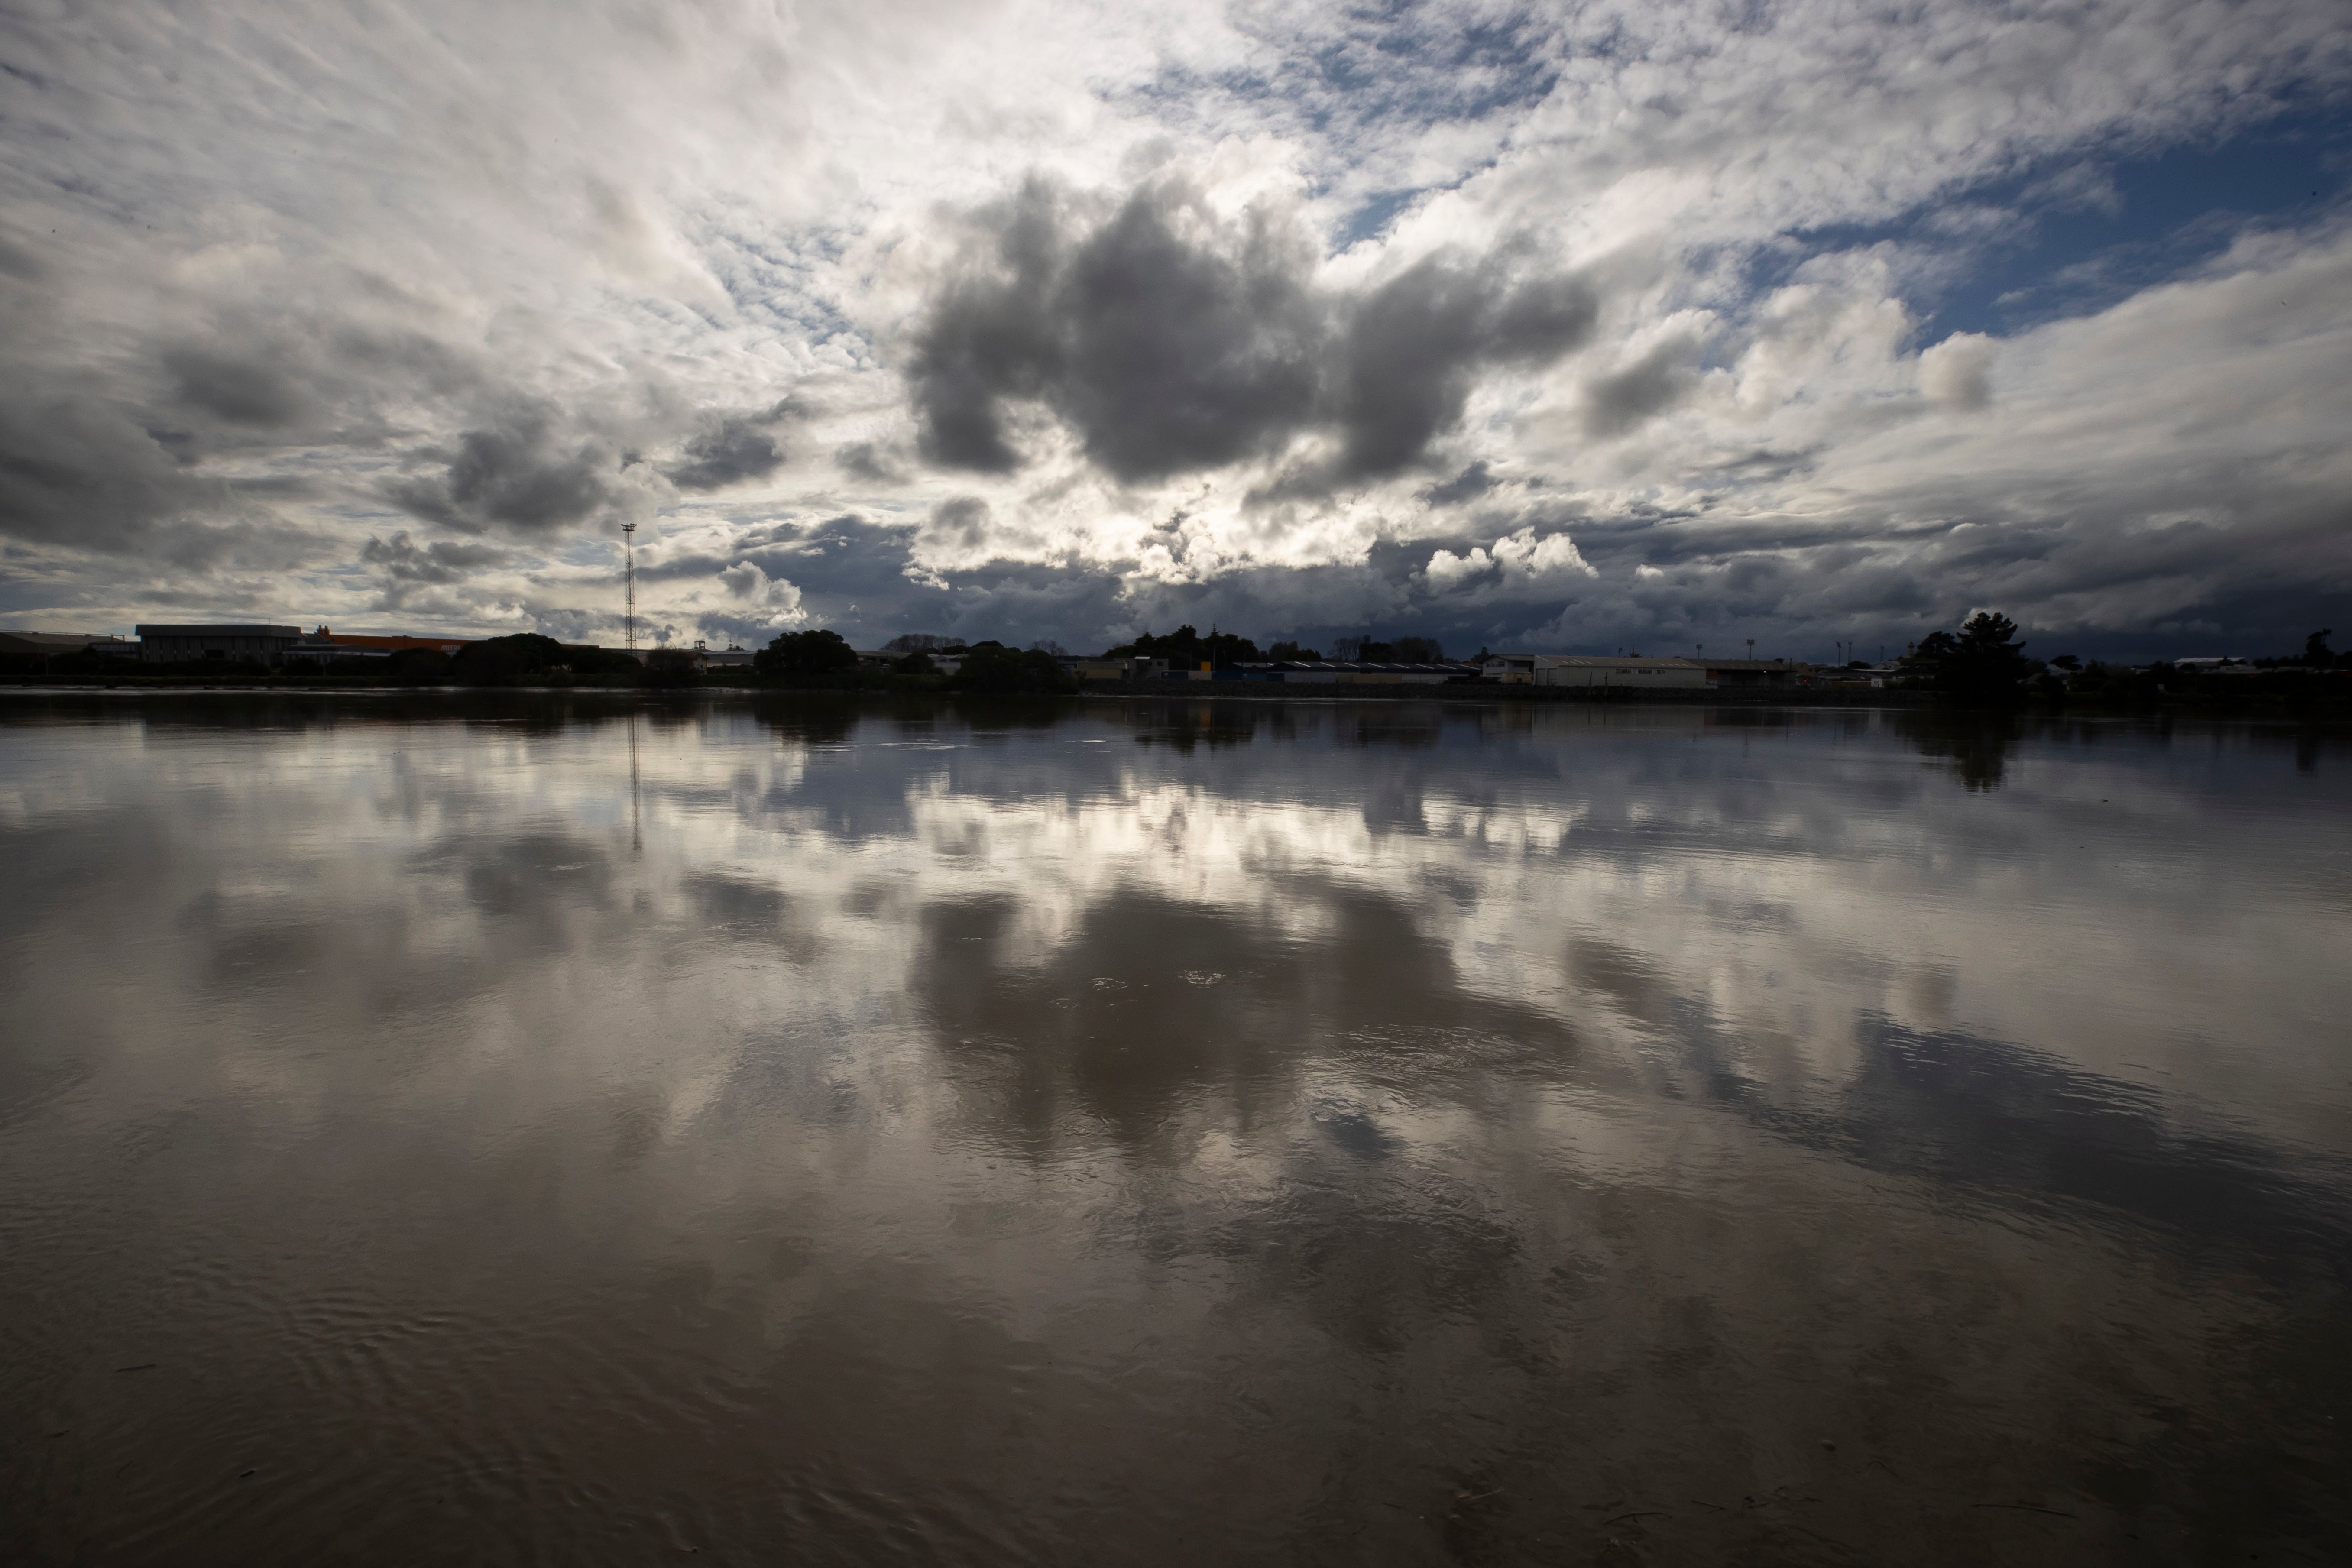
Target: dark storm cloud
<point>18,262</point>
<point>728,450</point>
<point>1170,341</point>
<point>853,575</point>
<point>401,559</point>
<point>1616,403</point>
<point>1466,486</point>
<point>240,391</point>
<point>519,473</point>
<point>963,520</point>
<point>1414,345</point>
<point>868,460</point>
<point>1165,352</point>
<point>76,469</point>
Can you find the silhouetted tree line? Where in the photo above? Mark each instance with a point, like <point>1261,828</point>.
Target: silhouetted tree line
<point>1984,666</point>
<point>806,654</point>
<point>990,667</point>
<point>1185,649</point>
<point>1402,651</point>
<point>823,658</point>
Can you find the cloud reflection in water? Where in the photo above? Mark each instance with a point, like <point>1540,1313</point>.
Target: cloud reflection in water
<point>978,1133</point>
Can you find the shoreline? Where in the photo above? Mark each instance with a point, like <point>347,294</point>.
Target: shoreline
<point>1896,700</point>
<point>1188,690</point>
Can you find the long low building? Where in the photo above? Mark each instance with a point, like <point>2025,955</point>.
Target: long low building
<point>1634,672</point>
<point>229,641</point>
<point>51,645</point>
<point>1340,672</point>
<point>384,643</point>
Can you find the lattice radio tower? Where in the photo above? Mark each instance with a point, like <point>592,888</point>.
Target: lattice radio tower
<point>629,583</point>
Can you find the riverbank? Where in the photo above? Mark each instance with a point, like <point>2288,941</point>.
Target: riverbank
<point>1483,691</point>
<point>2208,696</point>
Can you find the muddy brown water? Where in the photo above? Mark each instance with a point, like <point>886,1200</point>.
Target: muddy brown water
<point>570,1129</point>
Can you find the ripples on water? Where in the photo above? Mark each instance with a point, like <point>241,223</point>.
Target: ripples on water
<point>532,1128</point>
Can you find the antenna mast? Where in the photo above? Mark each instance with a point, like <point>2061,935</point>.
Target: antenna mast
<point>629,582</point>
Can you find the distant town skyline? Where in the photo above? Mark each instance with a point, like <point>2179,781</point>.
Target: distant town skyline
<point>1563,329</point>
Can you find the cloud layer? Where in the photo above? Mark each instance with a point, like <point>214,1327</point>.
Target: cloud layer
<point>1579,330</point>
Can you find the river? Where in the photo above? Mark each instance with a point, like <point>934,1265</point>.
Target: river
<point>581,1129</point>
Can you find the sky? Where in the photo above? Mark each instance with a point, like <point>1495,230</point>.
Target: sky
<point>1790,327</point>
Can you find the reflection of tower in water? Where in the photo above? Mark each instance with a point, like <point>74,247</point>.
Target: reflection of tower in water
<point>629,633</point>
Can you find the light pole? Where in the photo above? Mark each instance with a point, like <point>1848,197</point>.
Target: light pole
<point>629,584</point>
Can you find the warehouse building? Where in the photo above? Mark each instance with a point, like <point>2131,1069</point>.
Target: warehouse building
<point>1636,673</point>
<point>46,645</point>
<point>171,644</point>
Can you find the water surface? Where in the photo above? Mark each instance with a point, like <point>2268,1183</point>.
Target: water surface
<point>567,1130</point>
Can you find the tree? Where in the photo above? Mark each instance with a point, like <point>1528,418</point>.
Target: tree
<point>1184,647</point>
<point>916,663</point>
<point>1984,666</point>
<point>418,667</point>
<point>1402,651</point>
<point>607,662</point>
<point>1936,647</point>
<point>798,656</point>
<point>990,667</point>
<point>2314,648</point>
<point>507,660</point>
<point>1291,651</point>
<point>671,667</point>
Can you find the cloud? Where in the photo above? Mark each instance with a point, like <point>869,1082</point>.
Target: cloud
<point>748,583</point>
<point>729,449</point>
<point>1141,314</point>
<point>520,473</point>
<point>1172,340</point>
<point>75,470</point>
<point>1616,403</point>
<point>1519,562</point>
<point>1466,486</point>
<point>443,561</point>
<point>868,460</point>
<point>1413,345</point>
<point>242,392</point>
<point>1957,371</point>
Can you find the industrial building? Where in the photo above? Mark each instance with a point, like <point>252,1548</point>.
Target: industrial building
<point>46,645</point>
<point>323,645</point>
<point>171,644</point>
<point>1340,672</point>
<point>1634,672</point>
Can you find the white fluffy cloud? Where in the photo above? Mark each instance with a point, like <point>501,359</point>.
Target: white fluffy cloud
<point>1520,563</point>
<point>754,590</point>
